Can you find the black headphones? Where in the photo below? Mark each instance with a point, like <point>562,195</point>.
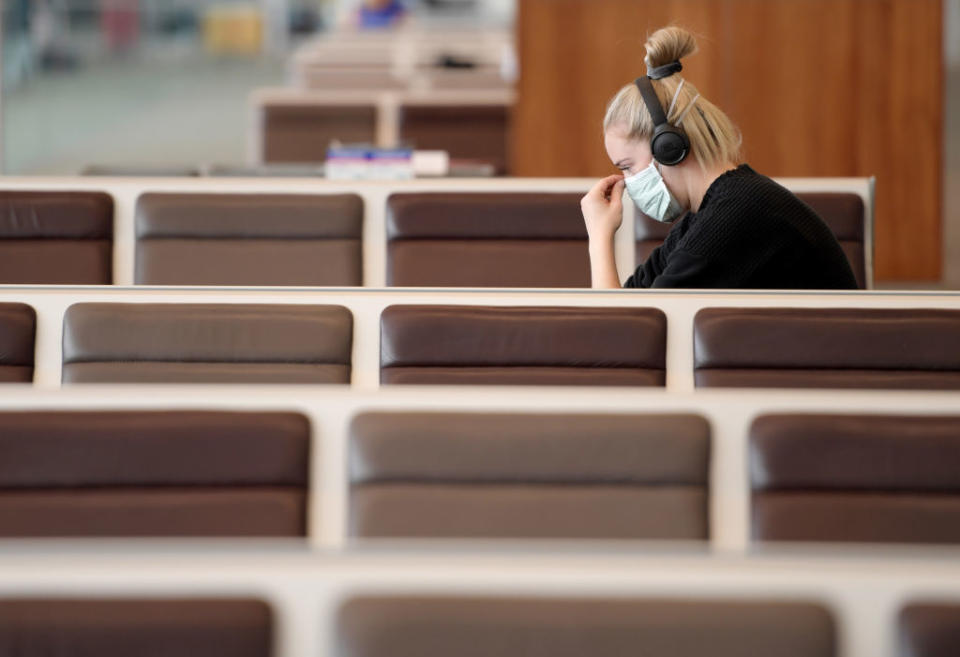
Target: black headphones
<point>668,144</point>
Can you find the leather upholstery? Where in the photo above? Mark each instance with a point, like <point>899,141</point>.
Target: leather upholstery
<point>434,626</point>
<point>868,478</point>
<point>486,240</point>
<point>249,239</point>
<point>842,212</point>
<point>468,132</point>
<point>108,627</point>
<point>302,133</point>
<point>827,348</point>
<point>929,629</point>
<point>18,328</point>
<point>54,237</point>
<point>522,345</point>
<point>515,475</point>
<point>226,343</point>
<point>145,473</point>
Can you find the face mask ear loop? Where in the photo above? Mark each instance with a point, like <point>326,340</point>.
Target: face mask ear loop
<point>683,114</point>
<point>676,94</point>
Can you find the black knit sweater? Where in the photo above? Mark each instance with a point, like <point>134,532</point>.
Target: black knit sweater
<point>749,232</point>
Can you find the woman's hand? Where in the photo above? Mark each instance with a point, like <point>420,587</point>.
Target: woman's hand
<point>603,213</point>
<point>602,209</point>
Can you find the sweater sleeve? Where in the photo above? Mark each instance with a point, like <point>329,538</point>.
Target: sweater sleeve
<point>647,273</point>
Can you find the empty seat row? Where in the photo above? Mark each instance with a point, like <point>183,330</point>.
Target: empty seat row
<point>301,130</point>
<point>528,345</point>
<point>163,473</point>
<point>418,474</point>
<point>433,239</point>
<point>437,626</point>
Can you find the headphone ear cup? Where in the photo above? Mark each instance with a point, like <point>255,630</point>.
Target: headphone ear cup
<point>669,146</point>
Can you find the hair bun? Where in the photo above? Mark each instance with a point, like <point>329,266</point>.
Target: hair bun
<point>669,44</point>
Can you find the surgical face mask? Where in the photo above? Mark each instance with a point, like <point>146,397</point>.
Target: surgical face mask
<point>650,194</point>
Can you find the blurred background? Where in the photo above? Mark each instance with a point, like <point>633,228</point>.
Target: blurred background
<point>162,82</point>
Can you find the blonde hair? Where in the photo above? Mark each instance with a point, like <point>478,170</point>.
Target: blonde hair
<point>714,139</point>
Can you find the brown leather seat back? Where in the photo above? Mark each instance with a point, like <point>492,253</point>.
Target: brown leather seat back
<point>140,473</point>
<point>486,240</point>
<point>467,132</point>
<point>18,329</point>
<point>249,239</point>
<point>56,238</point>
<point>435,626</point>
<point>903,348</point>
<point>459,475</point>
<point>850,478</point>
<point>87,627</point>
<point>522,345</point>
<point>929,629</point>
<point>206,343</point>
<point>302,133</point>
<point>842,212</point>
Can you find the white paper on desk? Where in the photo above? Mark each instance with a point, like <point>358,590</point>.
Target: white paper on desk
<point>431,163</point>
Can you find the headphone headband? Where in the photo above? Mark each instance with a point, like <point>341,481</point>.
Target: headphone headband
<point>668,145</point>
<point>651,101</point>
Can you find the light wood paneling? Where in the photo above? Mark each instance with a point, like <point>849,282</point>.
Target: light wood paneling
<point>818,87</point>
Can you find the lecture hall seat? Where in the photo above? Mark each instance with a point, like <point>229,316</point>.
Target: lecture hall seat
<point>249,239</point>
<point>929,628</point>
<point>522,345</point>
<point>486,240</point>
<point>494,475</point>
<point>888,348</point>
<point>438,626</point>
<point>153,473</point>
<point>303,132</point>
<point>141,627</point>
<point>855,478</point>
<point>18,329</point>
<point>206,343</point>
<point>466,132</point>
<point>56,238</point>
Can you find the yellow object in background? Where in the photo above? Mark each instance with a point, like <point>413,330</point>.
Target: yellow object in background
<point>233,30</point>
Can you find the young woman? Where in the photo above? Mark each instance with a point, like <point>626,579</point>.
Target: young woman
<point>680,158</point>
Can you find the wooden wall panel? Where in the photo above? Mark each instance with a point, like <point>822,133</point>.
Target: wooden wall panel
<point>818,87</point>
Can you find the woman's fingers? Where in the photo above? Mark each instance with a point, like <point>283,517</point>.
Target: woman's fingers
<point>603,189</point>
<point>616,193</point>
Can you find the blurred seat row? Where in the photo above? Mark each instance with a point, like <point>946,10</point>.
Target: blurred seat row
<point>463,239</point>
<point>298,126</point>
<point>437,626</point>
<point>784,347</point>
<point>418,474</point>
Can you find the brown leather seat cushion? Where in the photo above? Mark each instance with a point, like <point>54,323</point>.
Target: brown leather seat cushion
<point>56,238</point>
<point>842,212</point>
<point>18,328</point>
<point>827,348</point>
<point>147,473</point>
<point>522,345</point>
<point>302,133</point>
<point>929,629</point>
<point>249,239</point>
<point>467,132</point>
<point>431,626</point>
<point>223,343</point>
<point>486,240</point>
<point>856,478</point>
<point>107,627</point>
<point>524,475</point>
